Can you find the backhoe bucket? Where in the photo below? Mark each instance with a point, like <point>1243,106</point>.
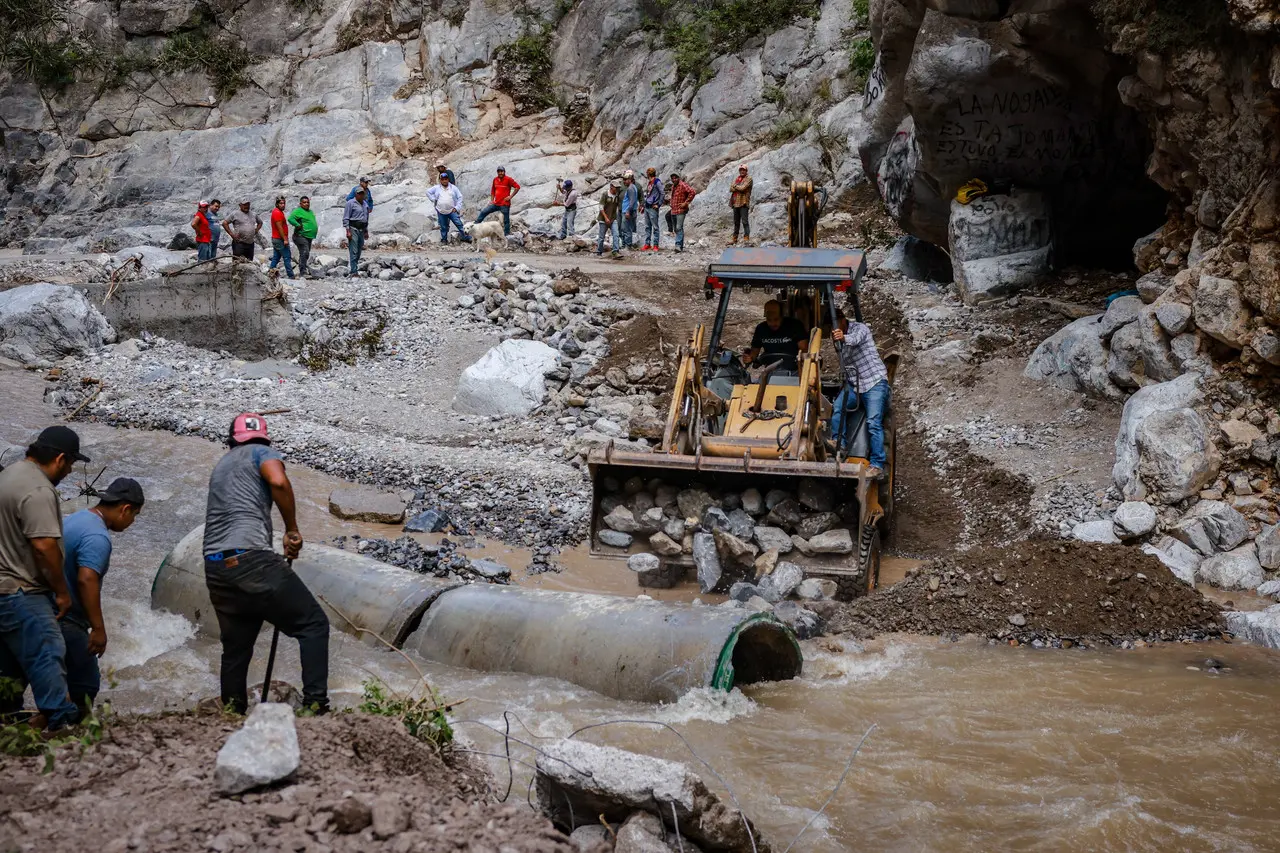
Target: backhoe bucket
<point>807,497</point>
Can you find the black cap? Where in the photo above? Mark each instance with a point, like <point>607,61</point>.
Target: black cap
<point>62,439</point>
<point>122,490</point>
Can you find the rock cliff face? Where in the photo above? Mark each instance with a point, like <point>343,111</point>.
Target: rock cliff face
<point>250,99</point>
<point>1017,92</point>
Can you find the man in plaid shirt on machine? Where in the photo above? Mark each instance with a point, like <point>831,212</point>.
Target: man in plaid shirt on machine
<point>866,385</point>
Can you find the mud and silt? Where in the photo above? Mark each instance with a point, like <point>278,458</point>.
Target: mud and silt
<point>1038,589</point>
<point>149,786</point>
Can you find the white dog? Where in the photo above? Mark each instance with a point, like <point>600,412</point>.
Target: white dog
<point>491,231</point>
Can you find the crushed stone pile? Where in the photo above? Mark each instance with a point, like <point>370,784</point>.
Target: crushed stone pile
<point>443,561</point>
<point>1038,591</point>
<point>364,784</point>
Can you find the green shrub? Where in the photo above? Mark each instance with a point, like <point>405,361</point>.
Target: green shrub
<point>699,31</point>
<point>775,95</point>
<point>861,60</point>
<point>524,71</point>
<point>22,741</point>
<point>788,129</point>
<point>38,43</point>
<point>862,10</point>
<point>424,718</point>
<point>223,59</point>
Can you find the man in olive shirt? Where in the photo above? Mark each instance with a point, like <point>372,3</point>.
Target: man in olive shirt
<point>33,591</point>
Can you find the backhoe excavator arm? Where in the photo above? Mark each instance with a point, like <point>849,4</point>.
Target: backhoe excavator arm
<point>687,391</point>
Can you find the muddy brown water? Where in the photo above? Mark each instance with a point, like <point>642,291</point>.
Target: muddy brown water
<point>976,747</point>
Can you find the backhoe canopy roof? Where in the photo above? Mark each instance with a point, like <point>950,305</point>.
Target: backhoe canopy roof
<point>787,267</point>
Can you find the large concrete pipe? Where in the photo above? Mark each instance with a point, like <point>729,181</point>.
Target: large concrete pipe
<point>375,596</point>
<point>622,647</point>
<point>646,651</point>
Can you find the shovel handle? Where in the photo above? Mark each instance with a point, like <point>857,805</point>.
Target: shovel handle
<point>271,657</point>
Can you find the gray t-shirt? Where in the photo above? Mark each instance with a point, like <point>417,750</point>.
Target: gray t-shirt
<point>238,511</point>
<point>242,226</point>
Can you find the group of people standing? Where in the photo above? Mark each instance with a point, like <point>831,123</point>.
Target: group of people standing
<point>52,569</point>
<point>623,203</point>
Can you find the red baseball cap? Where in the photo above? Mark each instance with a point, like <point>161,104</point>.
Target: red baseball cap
<point>248,426</point>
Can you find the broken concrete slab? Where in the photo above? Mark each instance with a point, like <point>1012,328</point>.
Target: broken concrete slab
<point>357,503</point>
<point>580,783</point>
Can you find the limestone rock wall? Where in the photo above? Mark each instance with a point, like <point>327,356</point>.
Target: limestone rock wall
<point>337,89</point>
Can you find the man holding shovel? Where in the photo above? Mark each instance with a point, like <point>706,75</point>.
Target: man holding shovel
<point>248,582</point>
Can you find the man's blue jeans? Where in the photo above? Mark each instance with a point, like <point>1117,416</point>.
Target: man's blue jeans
<point>280,249</point>
<point>875,399</point>
<point>610,228</point>
<point>204,251</point>
<point>629,229</point>
<point>680,230</point>
<point>494,208</point>
<point>567,222</point>
<point>443,220</point>
<point>652,230</point>
<point>355,246</point>
<point>32,651</point>
<point>84,678</point>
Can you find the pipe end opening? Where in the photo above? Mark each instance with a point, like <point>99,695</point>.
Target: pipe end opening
<point>765,650</point>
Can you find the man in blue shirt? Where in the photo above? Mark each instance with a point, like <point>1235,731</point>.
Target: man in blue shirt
<point>363,186</point>
<point>87,557</point>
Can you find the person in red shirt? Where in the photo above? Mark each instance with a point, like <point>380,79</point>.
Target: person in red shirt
<point>504,190</point>
<point>204,234</point>
<point>280,238</point>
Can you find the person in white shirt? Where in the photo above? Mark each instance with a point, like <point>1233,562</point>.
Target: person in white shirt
<point>447,199</point>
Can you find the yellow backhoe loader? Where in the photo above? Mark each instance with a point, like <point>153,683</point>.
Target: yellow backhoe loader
<point>763,438</point>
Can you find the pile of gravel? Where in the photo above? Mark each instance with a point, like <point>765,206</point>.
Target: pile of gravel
<point>1058,593</point>
<point>443,561</point>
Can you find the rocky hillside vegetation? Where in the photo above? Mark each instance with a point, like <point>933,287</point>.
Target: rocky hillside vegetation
<point>119,116</point>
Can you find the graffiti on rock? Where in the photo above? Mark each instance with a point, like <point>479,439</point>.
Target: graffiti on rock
<point>998,225</point>
<point>876,82</point>
<point>897,171</point>
<point>1031,135</point>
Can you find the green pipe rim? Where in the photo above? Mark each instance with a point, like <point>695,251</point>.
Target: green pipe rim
<point>722,678</point>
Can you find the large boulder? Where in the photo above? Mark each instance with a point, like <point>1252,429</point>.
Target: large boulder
<point>1075,357</point>
<point>580,783</point>
<point>1261,627</point>
<point>509,379</point>
<point>999,243</point>
<point>1226,527</point>
<point>48,321</point>
<point>1184,562</point>
<point>264,750</point>
<point>1220,311</point>
<point>1236,569</point>
<point>1268,543</point>
<point>1181,393</point>
<point>1176,456</point>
